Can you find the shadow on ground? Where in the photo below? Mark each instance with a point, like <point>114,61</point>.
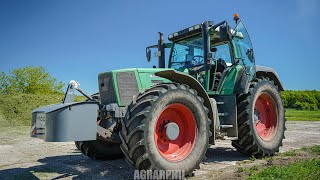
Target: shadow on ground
<point>78,166</point>
<point>75,166</point>
<point>224,155</point>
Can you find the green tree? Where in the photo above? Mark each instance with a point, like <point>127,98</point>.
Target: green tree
<point>29,80</point>
<point>306,100</point>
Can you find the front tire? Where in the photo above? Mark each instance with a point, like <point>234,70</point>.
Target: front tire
<point>261,119</point>
<point>146,141</point>
<point>99,149</point>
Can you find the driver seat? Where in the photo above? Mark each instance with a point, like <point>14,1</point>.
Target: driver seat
<point>221,66</point>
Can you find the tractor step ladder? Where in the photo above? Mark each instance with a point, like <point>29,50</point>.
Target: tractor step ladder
<point>221,115</point>
<point>227,113</point>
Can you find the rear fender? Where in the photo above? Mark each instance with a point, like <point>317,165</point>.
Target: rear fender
<point>269,72</point>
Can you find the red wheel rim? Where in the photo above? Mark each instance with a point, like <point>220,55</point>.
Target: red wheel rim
<point>265,116</point>
<point>179,148</point>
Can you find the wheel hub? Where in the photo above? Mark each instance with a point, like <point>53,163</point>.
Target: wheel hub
<point>265,116</point>
<point>175,132</point>
<point>256,116</point>
<point>172,131</point>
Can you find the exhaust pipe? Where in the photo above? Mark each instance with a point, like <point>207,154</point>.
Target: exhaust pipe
<point>161,52</point>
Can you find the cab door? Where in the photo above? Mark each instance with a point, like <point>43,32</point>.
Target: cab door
<point>243,49</point>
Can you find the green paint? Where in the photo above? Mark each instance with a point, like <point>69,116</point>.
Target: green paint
<point>116,89</point>
<point>227,86</point>
<point>147,78</point>
<point>144,76</point>
<point>229,81</point>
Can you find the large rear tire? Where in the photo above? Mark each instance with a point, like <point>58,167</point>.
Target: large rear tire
<point>261,120</point>
<point>150,139</point>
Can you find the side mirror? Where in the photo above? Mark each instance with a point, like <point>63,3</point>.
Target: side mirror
<point>224,32</point>
<point>148,54</point>
<point>249,53</point>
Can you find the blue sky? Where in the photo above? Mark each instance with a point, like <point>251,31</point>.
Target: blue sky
<point>80,39</point>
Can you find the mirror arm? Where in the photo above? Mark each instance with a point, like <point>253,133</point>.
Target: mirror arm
<point>217,25</point>
<point>168,45</point>
<point>153,46</point>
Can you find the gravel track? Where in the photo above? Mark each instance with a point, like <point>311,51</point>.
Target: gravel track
<point>22,157</point>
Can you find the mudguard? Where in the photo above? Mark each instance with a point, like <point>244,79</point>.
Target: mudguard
<point>271,74</point>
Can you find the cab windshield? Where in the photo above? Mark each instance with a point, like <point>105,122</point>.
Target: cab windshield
<point>187,53</point>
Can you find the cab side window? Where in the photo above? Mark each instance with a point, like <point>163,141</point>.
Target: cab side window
<point>244,49</point>
<point>223,52</point>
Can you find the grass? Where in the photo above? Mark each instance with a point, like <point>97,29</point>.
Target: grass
<point>303,163</point>
<point>297,164</point>
<point>304,169</point>
<point>313,149</point>
<point>302,115</point>
<point>290,153</point>
<point>15,109</point>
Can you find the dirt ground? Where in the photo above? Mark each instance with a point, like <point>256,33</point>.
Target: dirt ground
<point>22,157</point>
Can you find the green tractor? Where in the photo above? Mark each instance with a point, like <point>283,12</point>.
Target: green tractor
<point>166,117</point>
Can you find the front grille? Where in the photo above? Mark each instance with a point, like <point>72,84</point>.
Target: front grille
<point>106,89</point>
<point>128,87</point>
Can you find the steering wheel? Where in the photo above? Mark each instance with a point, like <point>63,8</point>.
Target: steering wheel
<point>197,59</point>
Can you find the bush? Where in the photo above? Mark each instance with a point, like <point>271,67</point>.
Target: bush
<point>15,109</point>
<point>305,106</point>
<point>29,80</point>
<point>301,100</point>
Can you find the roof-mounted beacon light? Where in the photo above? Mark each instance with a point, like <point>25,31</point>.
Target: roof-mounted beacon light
<point>236,17</point>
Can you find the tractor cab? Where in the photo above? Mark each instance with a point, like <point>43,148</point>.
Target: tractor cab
<point>210,55</point>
